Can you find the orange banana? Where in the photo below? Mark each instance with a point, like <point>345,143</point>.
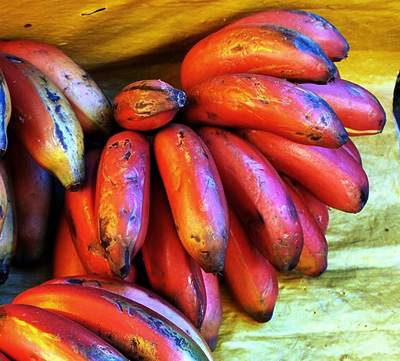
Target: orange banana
<point>257,193</point>
<point>249,277</point>
<point>142,296</point>
<point>133,329</point>
<point>314,256</point>
<point>331,175</point>
<point>195,194</point>
<point>359,110</point>
<point>122,198</point>
<point>5,113</point>
<point>265,103</point>
<point>87,99</point>
<point>265,49</point>
<point>172,272</point>
<point>44,122</point>
<point>32,185</point>
<point>316,27</point>
<point>32,333</point>
<point>147,104</point>
<point>80,212</point>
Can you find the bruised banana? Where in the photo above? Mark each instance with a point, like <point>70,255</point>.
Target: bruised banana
<point>162,251</point>
<point>265,103</point>
<point>5,113</point>
<point>257,193</point>
<point>316,27</point>
<point>123,198</point>
<point>147,104</point>
<point>195,194</point>
<point>32,333</point>
<point>359,110</point>
<point>87,99</point>
<point>266,49</point>
<point>80,212</point>
<point>133,329</point>
<point>331,175</point>
<point>250,278</point>
<point>44,122</point>
<point>143,297</point>
<point>314,255</point>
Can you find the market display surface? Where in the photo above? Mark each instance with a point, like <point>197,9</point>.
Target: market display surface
<point>222,211</point>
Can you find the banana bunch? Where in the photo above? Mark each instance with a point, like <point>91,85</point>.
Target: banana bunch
<point>168,192</point>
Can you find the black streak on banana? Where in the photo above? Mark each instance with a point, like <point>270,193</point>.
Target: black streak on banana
<point>5,113</point>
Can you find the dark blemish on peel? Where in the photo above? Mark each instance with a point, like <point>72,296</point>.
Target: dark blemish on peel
<point>54,97</point>
<point>93,12</point>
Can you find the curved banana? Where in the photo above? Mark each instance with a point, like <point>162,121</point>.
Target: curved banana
<point>195,194</point>
<point>147,104</point>
<point>316,27</point>
<point>265,49</point>
<point>331,175</point>
<point>261,102</point>
<point>32,333</point>
<point>90,104</point>
<point>135,330</point>
<point>257,193</point>
<point>5,113</point>
<point>44,121</point>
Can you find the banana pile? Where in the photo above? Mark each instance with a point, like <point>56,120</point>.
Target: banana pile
<point>228,179</point>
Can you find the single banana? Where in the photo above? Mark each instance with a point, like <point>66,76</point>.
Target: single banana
<point>90,104</point>
<point>265,103</point>
<point>147,104</point>
<point>266,49</point>
<point>44,121</point>
<point>5,113</point>
<point>32,333</point>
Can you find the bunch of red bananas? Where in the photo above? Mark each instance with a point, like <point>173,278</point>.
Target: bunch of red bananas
<point>228,180</point>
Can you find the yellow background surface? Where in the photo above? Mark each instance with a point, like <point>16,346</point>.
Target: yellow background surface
<point>352,311</point>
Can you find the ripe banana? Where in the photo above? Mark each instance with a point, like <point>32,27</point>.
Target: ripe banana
<point>44,122</point>
<point>314,256</point>
<point>358,109</point>
<point>172,273</point>
<point>133,329</point>
<point>147,104</point>
<point>195,194</point>
<point>352,149</point>
<point>32,185</point>
<point>143,297</point>
<point>80,212</point>
<point>32,333</point>
<point>265,103</point>
<point>257,193</point>
<point>331,175</point>
<point>316,27</point>
<point>87,99</point>
<point>122,198</point>
<point>5,113</point>
<point>265,49</point>
<point>249,277</point>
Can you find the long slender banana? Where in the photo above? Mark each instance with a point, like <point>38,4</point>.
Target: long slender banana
<point>87,99</point>
<point>331,175</point>
<point>135,330</point>
<point>358,109</point>
<point>44,121</point>
<point>147,104</point>
<point>316,27</point>
<point>266,103</point>
<point>5,113</point>
<point>195,194</point>
<point>32,333</point>
<point>266,49</point>
<point>123,198</point>
<point>257,193</point>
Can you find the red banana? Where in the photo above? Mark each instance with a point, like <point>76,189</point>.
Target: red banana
<point>4,357</point>
<point>195,194</point>
<point>331,175</point>
<point>352,149</point>
<point>258,194</point>
<point>265,103</point>
<point>265,49</point>
<point>122,198</point>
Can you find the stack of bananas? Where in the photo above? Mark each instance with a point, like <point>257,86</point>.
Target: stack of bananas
<point>228,180</point>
